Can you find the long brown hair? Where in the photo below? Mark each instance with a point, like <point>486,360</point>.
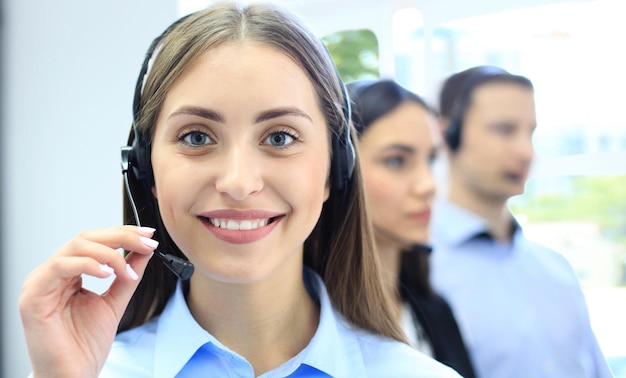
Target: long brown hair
<point>341,247</point>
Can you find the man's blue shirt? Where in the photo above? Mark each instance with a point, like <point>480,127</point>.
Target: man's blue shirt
<point>519,305</point>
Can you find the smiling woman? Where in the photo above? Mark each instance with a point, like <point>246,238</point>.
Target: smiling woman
<point>224,166</point>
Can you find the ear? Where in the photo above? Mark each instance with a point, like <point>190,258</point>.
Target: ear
<point>327,190</point>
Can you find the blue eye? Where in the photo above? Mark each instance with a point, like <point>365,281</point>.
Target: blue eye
<point>280,139</point>
<point>394,162</point>
<point>195,138</point>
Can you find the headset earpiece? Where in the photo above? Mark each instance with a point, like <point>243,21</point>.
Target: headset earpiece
<point>453,133</point>
<point>140,159</point>
<point>343,160</point>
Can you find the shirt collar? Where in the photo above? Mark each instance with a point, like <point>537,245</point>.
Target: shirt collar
<point>179,336</point>
<point>456,225</point>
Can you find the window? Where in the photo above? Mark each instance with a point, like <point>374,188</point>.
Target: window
<point>355,53</point>
<point>574,202</point>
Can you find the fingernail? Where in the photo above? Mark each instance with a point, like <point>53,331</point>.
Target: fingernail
<point>131,273</point>
<point>106,269</point>
<point>149,242</point>
<point>147,230</point>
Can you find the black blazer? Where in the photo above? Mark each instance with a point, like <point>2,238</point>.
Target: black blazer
<point>434,315</point>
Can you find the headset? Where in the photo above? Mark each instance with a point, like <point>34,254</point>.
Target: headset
<point>136,156</point>
<point>476,78</point>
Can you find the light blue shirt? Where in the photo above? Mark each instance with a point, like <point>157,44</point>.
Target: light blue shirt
<point>519,305</point>
<point>174,345</point>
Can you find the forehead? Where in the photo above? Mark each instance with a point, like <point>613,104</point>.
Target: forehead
<point>502,97</point>
<point>246,60</point>
<point>248,73</point>
<point>408,123</point>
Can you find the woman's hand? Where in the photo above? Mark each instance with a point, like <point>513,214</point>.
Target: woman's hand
<point>69,330</point>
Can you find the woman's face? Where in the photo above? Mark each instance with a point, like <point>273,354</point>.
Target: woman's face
<point>396,154</point>
<point>240,163</point>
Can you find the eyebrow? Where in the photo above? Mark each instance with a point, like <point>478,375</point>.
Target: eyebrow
<point>198,112</point>
<point>263,116</point>
<point>401,147</point>
<point>281,112</point>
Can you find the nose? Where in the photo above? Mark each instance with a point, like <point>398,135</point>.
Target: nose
<point>424,184</point>
<point>525,148</point>
<point>239,173</point>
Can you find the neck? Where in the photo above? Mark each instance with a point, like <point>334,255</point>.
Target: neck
<point>493,210</point>
<point>266,322</point>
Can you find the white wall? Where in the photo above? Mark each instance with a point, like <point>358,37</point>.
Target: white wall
<point>69,68</point>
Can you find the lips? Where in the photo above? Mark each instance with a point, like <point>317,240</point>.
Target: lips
<point>240,226</point>
<point>516,176</point>
<point>422,217</point>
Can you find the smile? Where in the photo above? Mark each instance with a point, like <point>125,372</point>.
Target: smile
<point>236,224</point>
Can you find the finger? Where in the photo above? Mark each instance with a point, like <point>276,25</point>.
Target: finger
<point>121,291</point>
<point>56,269</point>
<point>131,238</point>
<point>116,261</point>
<point>56,280</point>
<point>97,245</point>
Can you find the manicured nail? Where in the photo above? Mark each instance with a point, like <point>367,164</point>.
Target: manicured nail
<point>106,269</point>
<point>149,242</point>
<point>131,273</point>
<point>147,230</point>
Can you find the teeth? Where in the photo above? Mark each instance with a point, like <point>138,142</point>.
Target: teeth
<point>231,224</point>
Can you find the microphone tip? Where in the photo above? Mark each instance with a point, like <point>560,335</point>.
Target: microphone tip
<point>181,268</point>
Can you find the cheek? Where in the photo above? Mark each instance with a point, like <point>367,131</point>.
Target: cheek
<point>311,178</point>
<point>168,191</point>
<point>381,194</point>
<point>480,153</point>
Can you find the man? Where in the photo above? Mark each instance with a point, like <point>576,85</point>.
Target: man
<point>519,305</point>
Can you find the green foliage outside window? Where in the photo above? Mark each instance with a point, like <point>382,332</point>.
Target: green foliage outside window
<point>355,53</point>
<point>600,199</point>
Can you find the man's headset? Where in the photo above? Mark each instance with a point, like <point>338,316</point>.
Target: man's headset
<point>474,79</point>
<point>136,156</point>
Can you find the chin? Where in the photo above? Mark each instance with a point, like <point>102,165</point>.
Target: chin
<point>506,191</point>
<point>238,277</point>
<point>233,271</point>
<point>516,191</point>
<point>418,237</point>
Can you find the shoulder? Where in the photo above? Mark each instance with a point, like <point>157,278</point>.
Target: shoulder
<point>550,260</point>
<point>384,357</point>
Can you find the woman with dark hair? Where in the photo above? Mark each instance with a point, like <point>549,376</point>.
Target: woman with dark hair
<point>398,141</point>
<point>275,272</point>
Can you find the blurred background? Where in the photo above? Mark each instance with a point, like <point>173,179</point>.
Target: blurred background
<point>68,69</point>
